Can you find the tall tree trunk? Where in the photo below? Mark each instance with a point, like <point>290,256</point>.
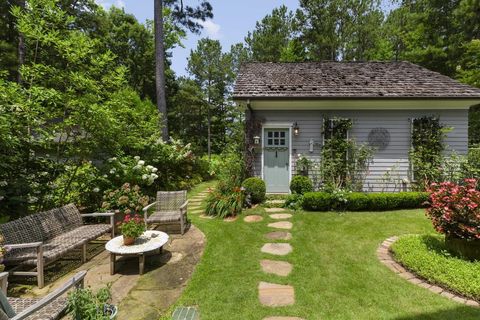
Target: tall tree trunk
<point>160,67</point>
<point>21,47</point>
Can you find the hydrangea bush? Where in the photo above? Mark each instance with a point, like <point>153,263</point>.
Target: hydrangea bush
<point>128,200</point>
<point>455,209</point>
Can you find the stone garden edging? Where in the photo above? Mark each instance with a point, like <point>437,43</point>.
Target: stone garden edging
<point>385,256</point>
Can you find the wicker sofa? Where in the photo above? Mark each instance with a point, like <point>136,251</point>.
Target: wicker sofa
<point>40,239</point>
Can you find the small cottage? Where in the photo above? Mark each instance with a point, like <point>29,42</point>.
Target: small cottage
<point>290,107</point>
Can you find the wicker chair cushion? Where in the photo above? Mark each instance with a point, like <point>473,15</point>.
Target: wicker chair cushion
<point>164,216</point>
<point>58,246</point>
<point>52,311</point>
<point>170,200</point>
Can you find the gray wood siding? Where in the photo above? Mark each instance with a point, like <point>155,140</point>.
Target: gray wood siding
<point>393,160</point>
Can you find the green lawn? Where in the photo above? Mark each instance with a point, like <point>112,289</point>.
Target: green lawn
<point>336,272</point>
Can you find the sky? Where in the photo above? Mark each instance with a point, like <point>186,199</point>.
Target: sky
<point>231,22</point>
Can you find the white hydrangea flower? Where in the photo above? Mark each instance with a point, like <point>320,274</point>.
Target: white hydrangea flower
<point>154,176</point>
<point>144,177</point>
<point>141,163</point>
<point>149,168</point>
<point>137,158</point>
<point>154,170</point>
<point>113,171</point>
<point>137,167</point>
<point>3,183</point>
<point>32,199</point>
<point>96,190</point>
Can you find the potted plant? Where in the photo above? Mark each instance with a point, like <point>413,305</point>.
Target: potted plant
<point>124,201</point>
<point>84,304</point>
<point>131,228</point>
<point>455,211</point>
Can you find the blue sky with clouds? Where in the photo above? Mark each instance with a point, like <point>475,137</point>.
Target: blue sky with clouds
<point>232,20</point>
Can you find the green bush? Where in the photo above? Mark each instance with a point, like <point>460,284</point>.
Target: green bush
<point>256,188</point>
<point>357,201</point>
<point>317,201</point>
<point>294,201</point>
<point>427,256</point>
<point>301,185</point>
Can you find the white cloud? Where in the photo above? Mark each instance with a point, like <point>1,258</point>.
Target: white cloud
<point>108,3</point>
<point>212,29</point>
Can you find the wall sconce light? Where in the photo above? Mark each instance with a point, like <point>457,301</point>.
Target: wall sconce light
<point>256,140</point>
<point>296,129</point>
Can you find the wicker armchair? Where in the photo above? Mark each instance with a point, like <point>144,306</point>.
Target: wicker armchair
<point>50,307</point>
<point>170,208</point>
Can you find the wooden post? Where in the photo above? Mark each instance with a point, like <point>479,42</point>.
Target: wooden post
<point>40,266</point>
<point>84,252</point>
<point>112,263</point>
<point>141,260</point>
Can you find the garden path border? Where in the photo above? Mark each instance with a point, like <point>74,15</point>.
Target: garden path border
<point>385,256</point>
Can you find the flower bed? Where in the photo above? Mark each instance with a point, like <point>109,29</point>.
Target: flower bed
<point>427,256</point>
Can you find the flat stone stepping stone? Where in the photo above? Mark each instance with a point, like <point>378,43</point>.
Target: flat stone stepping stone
<point>230,219</point>
<point>283,318</point>
<point>280,216</point>
<point>275,295</point>
<point>281,225</point>
<point>253,218</point>
<point>279,235</point>
<point>271,210</point>
<point>279,268</point>
<point>278,249</point>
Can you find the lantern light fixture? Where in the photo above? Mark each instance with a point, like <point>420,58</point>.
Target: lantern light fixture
<point>256,140</point>
<point>296,129</point>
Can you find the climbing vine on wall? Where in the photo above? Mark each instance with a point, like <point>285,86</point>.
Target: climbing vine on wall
<point>426,153</point>
<point>344,163</point>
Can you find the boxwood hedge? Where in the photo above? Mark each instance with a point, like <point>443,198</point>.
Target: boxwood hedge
<point>358,201</point>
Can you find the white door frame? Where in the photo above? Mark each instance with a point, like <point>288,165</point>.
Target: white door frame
<point>278,125</point>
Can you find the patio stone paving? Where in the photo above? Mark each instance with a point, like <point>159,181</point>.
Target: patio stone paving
<point>272,210</point>
<point>253,218</point>
<point>281,225</point>
<point>275,295</point>
<point>279,235</point>
<point>278,249</point>
<point>279,268</point>
<point>280,216</point>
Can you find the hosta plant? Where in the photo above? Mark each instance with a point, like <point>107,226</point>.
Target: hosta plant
<point>455,209</point>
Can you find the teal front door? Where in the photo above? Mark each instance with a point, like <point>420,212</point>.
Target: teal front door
<point>276,155</point>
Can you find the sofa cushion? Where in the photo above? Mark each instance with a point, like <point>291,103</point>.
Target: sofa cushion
<point>51,311</point>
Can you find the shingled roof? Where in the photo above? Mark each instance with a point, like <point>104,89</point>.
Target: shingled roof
<point>346,80</point>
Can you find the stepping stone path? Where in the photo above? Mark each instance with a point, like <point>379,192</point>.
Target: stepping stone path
<point>279,235</point>
<point>281,225</point>
<point>280,268</point>
<point>278,249</point>
<point>272,210</point>
<point>280,216</point>
<point>273,294</point>
<point>253,218</point>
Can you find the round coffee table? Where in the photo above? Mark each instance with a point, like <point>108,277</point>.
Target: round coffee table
<point>148,242</point>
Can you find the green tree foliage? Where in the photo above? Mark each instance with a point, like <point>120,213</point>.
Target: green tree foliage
<point>212,71</point>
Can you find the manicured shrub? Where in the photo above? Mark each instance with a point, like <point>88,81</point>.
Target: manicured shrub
<point>426,255</point>
<point>455,209</point>
<point>256,188</point>
<point>294,201</point>
<point>357,201</point>
<point>301,185</point>
<point>317,201</point>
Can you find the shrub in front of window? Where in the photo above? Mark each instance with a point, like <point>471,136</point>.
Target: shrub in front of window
<point>301,185</point>
<point>255,188</point>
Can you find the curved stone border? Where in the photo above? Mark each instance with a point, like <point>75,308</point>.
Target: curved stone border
<point>385,256</point>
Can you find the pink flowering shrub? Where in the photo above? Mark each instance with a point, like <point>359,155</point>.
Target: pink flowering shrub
<point>455,209</point>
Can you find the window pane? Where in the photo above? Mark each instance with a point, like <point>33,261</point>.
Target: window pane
<point>282,134</point>
<point>269,141</point>
<point>276,142</point>
<point>282,142</point>
<point>270,134</point>
<point>276,134</point>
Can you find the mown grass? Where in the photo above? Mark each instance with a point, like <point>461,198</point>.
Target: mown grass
<point>427,256</point>
<point>336,272</point>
